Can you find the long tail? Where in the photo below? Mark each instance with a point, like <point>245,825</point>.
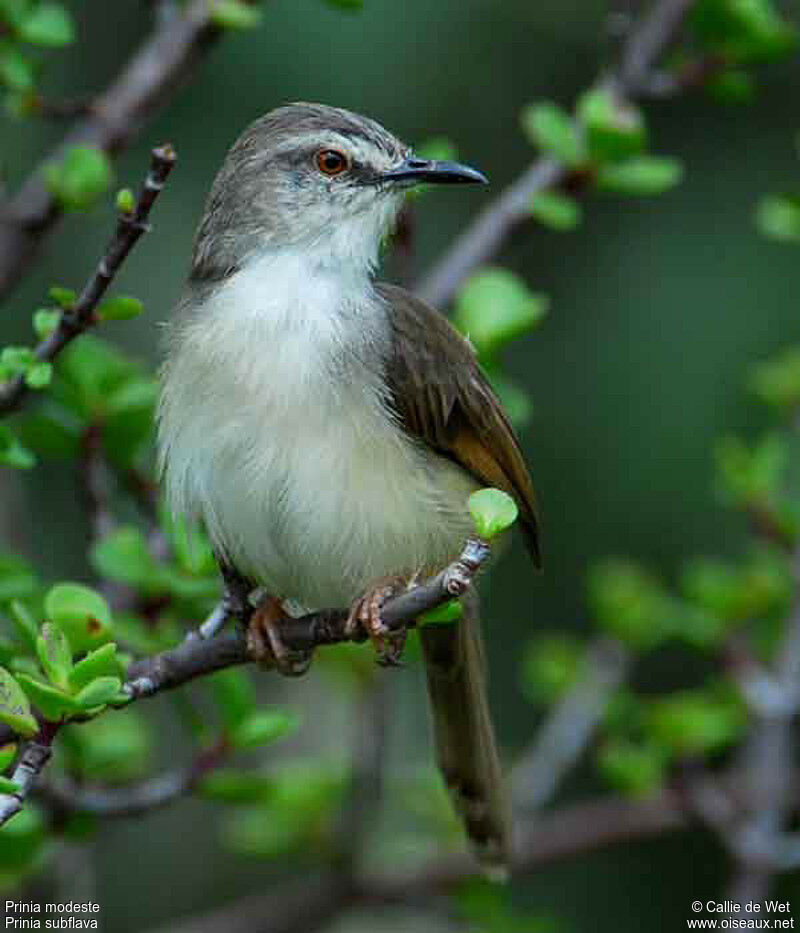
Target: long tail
<point>465,745</point>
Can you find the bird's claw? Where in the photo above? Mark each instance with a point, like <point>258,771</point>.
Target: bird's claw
<point>365,613</point>
<point>265,644</point>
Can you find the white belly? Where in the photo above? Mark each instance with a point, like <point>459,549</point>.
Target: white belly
<point>293,461</point>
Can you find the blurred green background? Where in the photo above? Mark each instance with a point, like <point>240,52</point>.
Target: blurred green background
<point>658,305</point>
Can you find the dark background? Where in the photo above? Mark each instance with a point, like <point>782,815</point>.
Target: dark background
<point>658,306</point>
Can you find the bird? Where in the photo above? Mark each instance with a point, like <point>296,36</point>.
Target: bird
<point>328,428</point>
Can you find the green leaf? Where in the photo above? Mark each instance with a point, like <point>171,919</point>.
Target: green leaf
<point>54,654</point>
<point>8,753</point>
<point>125,201</point>
<point>263,727</point>
<point>38,375</point>
<point>12,453</point>
<point>45,321</point>
<point>7,786</point>
<point>52,703</point>
<point>234,695</point>
<point>778,217</point>
<point>98,692</point>
<point>65,298</point>
<point>26,628</point>
<point>16,360</point>
<point>102,662</point>
<point>15,710</point>
<point>81,613</point>
<point>693,722</point>
<point>492,512</point>
<point>13,12</point>
<point>614,129</point>
<point>233,14</point>
<point>48,24</point>
<point>752,477</point>
<point>635,768</point>
<point>17,72</point>
<point>551,665</point>
<point>555,210</point>
<point>553,131</point>
<point>229,786</point>
<point>742,30</point>
<point>446,614</point>
<point>80,178</point>
<point>495,307</point>
<point>777,381</point>
<point>641,176</point>
<point>119,308</point>
<point>123,556</point>
<point>437,147</point>
<point>515,400</point>
<point>628,603</point>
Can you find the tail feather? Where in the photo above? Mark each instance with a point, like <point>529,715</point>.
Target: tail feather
<point>466,752</point>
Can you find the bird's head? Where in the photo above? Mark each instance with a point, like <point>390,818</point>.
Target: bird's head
<point>311,177</point>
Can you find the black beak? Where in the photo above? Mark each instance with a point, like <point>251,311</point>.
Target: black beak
<point>433,171</point>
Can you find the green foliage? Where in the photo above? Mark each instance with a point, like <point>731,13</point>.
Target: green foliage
<point>64,297</point>
<point>125,202</point>
<point>752,478</point>
<point>492,512</point>
<point>263,727</point>
<point>22,842</point>
<point>82,176</point>
<point>694,722</point>
<point>633,767</point>
<point>234,14</point>
<point>731,86</point>
<point>15,710</point>
<point>777,381</point>
<point>119,308</point>
<point>742,30</point>
<point>47,24</point>
<point>778,217</point>
<point>640,176</point>
<point>81,613</point>
<point>55,656</point>
<point>495,307</point>
<point>553,131</point>
<point>614,129</point>
<point>102,662</point>
<point>292,810</point>
<point>488,908</point>
<point>22,361</point>
<point>8,753</point>
<point>551,664</point>
<point>113,749</point>
<point>12,453</point>
<point>555,210</point>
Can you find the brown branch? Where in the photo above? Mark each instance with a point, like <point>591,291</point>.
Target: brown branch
<point>646,43</point>
<point>31,762</point>
<point>144,85</point>
<point>80,317</point>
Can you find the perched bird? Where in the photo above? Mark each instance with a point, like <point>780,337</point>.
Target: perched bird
<point>327,428</point>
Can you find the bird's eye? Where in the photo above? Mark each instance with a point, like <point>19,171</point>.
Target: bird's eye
<point>332,162</point>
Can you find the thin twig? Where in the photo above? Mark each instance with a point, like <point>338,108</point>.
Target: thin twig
<point>144,85</point>
<point>81,316</point>
<point>646,43</point>
<point>32,759</point>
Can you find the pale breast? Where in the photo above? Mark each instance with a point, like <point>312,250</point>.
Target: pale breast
<point>274,429</point>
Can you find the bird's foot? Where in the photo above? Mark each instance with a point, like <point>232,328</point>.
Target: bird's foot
<point>365,613</point>
<point>265,644</point>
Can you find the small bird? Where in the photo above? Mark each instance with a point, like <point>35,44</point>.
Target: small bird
<point>328,429</point>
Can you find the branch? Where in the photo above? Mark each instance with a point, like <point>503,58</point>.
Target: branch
<point>32,760</point>
<point>648,40</point>
<point>144,85</point>
<point>197,656</point>
<point>569,727</point>
<point>81,316</point>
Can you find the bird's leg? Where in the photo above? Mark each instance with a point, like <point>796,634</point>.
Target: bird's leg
<point>366,614</point>
<point>264,641</point>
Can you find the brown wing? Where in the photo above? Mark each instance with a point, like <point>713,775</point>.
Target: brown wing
<point>444,399</point>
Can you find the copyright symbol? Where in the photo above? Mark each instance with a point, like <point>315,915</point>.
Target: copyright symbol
<point>697,906</point>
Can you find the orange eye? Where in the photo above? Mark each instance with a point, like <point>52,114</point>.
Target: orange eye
<point>332,162</point>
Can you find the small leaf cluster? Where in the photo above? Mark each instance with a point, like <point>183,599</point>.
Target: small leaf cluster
<point>25,27</point>
<point>603,142</point>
